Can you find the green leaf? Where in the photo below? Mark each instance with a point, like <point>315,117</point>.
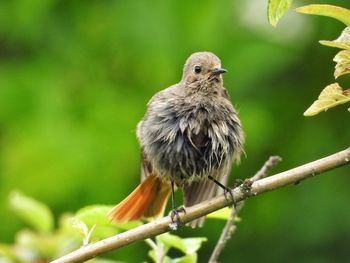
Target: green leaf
<point>192,244</point>
<point>32,212</point>
<point>191,258</point>
<point>170,241</point>
<point>103,260</point>
<point>276,9</point>
<point>34,246</point>
<point>343,63</point>
<point>339,13</point>
<point>331,96</point>
<point>343,41</point>
<point>97,215</point>
<point>186,245</point>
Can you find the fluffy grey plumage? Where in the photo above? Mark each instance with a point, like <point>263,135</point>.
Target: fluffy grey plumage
<point>191,131</point>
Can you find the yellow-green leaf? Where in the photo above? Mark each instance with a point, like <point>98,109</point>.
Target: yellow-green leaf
<point>222,214</point>
<point>153,256</point>
<point>193,244</point>
<point>276,9</point>
<point>82,229</point>
<point>331,96</point>
<point>7,254</point>
<point>343,41</point>
<point>94,214</point>
<point>190,258</point>
<point>339,13</point>
<point>343,63</point>
<point>97,215</point>
<point>80,226</point>
<point>170,240</point>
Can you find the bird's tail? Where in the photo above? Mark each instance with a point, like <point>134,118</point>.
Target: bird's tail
<point>147,200</point>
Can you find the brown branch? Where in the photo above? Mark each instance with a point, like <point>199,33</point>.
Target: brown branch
<point>230,228</point>
<point>161,225</point>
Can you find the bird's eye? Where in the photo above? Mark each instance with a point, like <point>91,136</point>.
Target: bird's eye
<point>197,69</point>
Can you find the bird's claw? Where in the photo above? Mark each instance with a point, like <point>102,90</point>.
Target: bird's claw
<point>247,185</point>
<point>175,217</point>
<point>228,190</point>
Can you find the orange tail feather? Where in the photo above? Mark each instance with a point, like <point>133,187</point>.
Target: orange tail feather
<point>147,200</point>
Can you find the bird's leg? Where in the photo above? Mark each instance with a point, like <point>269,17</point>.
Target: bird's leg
<point>175,211</point>
<point>225,188</point>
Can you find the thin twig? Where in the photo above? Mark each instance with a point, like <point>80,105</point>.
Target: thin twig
<point>151,243</point>
<point>230,227</point>
<point>228,230</point>
<point>266,168</point>
<point>161,225</point>
<point>158,250</point>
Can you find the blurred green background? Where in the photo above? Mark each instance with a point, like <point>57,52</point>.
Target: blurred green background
<point>75,77</point>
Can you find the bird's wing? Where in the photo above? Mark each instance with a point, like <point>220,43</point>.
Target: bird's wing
<point>146,167</point>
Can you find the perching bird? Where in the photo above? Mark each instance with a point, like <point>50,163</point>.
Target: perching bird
<point>189,137</point>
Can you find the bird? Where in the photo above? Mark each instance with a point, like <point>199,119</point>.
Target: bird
<point>189,136</point>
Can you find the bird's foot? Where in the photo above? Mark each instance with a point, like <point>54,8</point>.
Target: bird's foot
<point>175,217</point>
<point>246,186</point>
<point>228,190</point>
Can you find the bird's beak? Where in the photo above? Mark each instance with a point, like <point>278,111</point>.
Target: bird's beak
<point>218,71</point>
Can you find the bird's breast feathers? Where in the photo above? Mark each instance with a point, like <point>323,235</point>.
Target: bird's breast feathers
<point>190,140</point>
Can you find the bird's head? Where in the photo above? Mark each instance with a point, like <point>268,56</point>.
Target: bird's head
<point>203,69</point>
